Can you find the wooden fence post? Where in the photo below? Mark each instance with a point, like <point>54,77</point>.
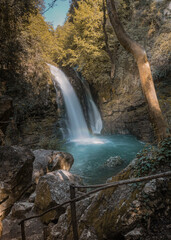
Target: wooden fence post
<point>23,231</point>
<point>73,213</point>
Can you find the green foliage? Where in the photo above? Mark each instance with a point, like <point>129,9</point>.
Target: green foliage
<point>13,18</point>
<point>28,42</point>
<point>39,36</point>
<point>152,158</point>
<point>80,42</point>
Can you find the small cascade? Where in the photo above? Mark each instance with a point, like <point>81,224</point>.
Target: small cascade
<point>76,124</point>
<point>93,112</point>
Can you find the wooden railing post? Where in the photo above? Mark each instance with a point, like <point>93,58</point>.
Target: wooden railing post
<point>73,213</point>
<point>23,231</point>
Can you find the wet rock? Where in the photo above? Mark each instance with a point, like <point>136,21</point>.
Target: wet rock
<point>33,227</point>
<point>49,160</point>
<point>113,162</point>
<point>16,166</point>
<point>53,189</point>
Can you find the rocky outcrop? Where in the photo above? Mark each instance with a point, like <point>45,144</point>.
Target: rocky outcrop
<point>48,161</point>
<point>123,107</point>
<point>11,229</point>
<point>53,189</point>
<point>16,166</point>
<point>123,212</point>
<point>34,106</point>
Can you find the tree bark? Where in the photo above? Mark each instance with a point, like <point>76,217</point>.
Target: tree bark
<point>147,84</point>
<point>107,48</point>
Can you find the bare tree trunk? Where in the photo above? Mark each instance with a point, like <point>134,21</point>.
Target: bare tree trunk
<point>147,84</point>
<point>112,74</point>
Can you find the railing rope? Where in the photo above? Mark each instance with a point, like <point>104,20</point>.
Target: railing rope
<point>73,199</point>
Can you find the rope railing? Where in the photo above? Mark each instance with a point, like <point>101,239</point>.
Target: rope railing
<point>73,199</point>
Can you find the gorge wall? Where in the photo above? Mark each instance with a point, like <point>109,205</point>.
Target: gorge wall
<point>120,100</point>
<point>123,107</point>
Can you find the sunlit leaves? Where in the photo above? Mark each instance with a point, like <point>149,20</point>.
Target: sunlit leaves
<point>81,41</point>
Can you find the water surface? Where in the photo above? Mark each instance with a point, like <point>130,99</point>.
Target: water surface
<point>91,153</point>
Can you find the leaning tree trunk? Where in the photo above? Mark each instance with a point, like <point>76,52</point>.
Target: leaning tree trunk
<point>147,84</point>
<point>107,48</point>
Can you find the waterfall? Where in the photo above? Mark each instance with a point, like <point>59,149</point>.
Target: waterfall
<point>93,112</point>
<point>77,126</point>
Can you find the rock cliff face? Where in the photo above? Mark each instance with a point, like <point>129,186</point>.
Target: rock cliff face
<point>121,101</point>
<point>123,107</point>
<point>16,164</point>
<point>32,105</point>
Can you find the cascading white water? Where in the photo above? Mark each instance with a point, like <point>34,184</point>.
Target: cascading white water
<point>77,126</point>
<point>93,112</point>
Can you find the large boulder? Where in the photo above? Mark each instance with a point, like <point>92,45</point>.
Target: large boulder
<point>53,189</point>
<point>16,166</point>
<point>49,160</point>
<point>33,228</point>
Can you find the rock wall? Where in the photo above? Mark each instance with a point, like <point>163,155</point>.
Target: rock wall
<point>122,104</point>
<point>121,101</point>
<point>28,113</point>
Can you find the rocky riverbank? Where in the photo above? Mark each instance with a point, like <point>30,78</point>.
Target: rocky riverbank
<point>33,182</point>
